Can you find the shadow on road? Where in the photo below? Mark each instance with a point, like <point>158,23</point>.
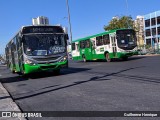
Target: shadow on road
<point>41,75</point>
<point>13,79</point>
<point>95,78</point>
<point>100,77</point>
<point>116,59</point>
<point>69,70</point>
<point>4,97</point>
<point>140,78</point>
<point>129,59</point>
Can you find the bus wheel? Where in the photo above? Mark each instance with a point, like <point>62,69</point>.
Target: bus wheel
<point>84,59</point>
<point>107,57</point>
<point>13,71</point>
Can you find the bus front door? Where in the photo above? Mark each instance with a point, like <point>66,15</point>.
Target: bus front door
<point>86,50</point>
<point>113,45</point>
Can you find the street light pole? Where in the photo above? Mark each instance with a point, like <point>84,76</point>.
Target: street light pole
<point>127,13</point>
<point>69,20</point>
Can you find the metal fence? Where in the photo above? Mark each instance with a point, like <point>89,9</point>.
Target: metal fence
<point>149,50</point>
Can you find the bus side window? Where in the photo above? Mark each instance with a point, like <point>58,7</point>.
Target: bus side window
<point>17,42</point>
<point>77,47</point>
<point>73,46</point>
<point>106,39</point>
<point>99,41</point>
<point>87,44</point>
<point>93,44</point>
<point>82,44</point>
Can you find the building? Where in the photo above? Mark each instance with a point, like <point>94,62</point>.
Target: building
<point>139,25</point>
<point>41,20</point>
<point>152,29</point>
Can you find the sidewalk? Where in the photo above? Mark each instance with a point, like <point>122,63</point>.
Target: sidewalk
<point>7,104</point>
<point>150,55</point>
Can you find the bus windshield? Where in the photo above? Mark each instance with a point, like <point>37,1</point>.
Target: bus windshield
<point>43,44</point>
<point>126,39</point>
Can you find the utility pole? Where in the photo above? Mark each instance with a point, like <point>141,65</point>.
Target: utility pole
<point>127,13</point>
<point>127,6</point>
<point>69,20</point>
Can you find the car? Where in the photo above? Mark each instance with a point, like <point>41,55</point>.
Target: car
<point>2,62</point>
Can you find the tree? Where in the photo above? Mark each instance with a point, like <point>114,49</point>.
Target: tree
<point>122,22</point>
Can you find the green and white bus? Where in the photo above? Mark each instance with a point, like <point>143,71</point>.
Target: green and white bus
<point>37,48</point>
<point>119,43</point>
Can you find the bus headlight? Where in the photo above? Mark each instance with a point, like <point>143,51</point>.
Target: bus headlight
<point>63,59</point>
<point>28,61</point>
<point>120,50</point>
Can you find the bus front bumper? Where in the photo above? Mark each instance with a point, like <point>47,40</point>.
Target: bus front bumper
<point>125,54</point>
<point>28,68</point>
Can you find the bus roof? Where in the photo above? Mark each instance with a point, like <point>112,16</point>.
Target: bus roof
<point>96,35</point>
<point>20,30</point>
<point>39,25</point>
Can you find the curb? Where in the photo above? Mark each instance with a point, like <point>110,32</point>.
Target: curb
<point>7,104</point>
<point>150,55</point>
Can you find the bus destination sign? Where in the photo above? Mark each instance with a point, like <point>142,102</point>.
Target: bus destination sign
<point>42,29</point>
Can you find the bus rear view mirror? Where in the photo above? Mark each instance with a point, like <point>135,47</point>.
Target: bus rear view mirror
<point>66,36</point>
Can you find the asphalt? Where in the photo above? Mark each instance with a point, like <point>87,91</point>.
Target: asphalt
<point>7,103</point>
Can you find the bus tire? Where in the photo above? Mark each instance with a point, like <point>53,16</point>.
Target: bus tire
<point>13,71</point>
<point>108,59</point>
<point>84,58</point>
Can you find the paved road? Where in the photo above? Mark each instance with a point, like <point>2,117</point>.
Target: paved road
<point>132,85</point>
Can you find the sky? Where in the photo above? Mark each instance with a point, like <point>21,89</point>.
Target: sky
<point>88,17</point>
